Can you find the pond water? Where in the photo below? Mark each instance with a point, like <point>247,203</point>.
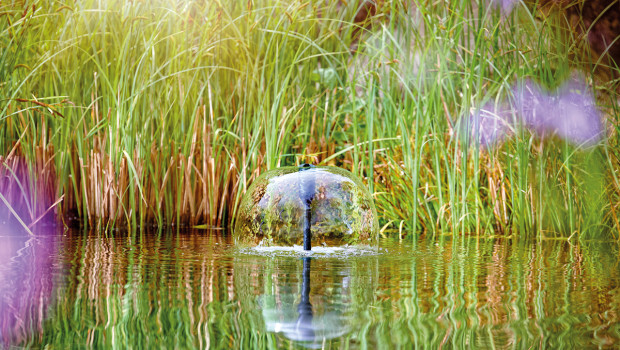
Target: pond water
<point>196,290</point>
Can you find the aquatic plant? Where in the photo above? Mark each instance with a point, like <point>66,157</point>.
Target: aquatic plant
<point>163,112</point>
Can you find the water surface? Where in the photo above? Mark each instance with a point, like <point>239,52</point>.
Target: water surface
<point>196,290</point>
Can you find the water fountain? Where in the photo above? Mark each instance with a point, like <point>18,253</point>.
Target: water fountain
<point>309,212</point>
<point>306,205</point>
<point>309,319</point>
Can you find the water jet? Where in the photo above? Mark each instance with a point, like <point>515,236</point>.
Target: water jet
<point>306,205</point>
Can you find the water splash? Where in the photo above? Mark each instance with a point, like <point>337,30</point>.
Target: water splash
<point>297,251</point>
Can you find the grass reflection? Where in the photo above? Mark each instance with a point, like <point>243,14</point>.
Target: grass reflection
<point>193,290</point>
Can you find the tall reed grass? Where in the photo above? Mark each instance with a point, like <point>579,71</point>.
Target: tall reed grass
<point>162,112</point>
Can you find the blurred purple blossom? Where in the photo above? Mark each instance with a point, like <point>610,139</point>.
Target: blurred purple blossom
<point>569,113</point>
<point>25,282</point>
<point>489,125</point>
<point>505,6</point>
<point>26,263</point>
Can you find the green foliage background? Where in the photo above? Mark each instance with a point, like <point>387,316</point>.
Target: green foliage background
<point>164,111</point>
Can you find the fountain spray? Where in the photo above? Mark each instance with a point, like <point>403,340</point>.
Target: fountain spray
<point>307,195</point>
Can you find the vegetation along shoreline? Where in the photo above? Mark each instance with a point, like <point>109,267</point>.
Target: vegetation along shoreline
<point>126,114</point>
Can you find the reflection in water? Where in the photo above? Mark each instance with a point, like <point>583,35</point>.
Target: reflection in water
<point>25,283</point>
<point>195,290</point>
<point>302,325</point>
<point>304,322</point>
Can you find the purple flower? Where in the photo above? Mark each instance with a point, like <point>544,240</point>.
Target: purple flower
<point>26,282</point>
<point>505,6</point>
<point>570,113</point>
<point>26,258</point>
<point>489,125</point>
